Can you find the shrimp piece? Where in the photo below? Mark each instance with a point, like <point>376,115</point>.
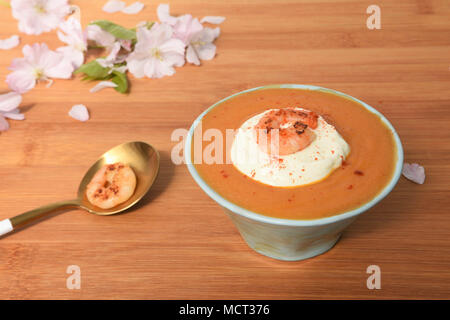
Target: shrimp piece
<point>293,128</point>
<point>112,185</point>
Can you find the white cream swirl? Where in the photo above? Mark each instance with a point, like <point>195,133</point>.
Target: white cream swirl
<point>312,164</point>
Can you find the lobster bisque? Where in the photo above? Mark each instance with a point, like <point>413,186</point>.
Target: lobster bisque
<point>364,173</point>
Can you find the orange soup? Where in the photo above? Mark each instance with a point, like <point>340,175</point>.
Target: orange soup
<point>366,170</point>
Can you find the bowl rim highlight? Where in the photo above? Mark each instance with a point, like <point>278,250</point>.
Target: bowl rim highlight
<point>294,222</point>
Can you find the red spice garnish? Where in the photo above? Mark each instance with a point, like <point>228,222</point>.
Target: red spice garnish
<point>332,151</point>
<point>344,163</point>
<point>224,174</point>
<point>350,187</point>
<point>359,173</point>
<point>315,159</point>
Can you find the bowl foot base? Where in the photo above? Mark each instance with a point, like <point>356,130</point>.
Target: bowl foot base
<point>306,253</point>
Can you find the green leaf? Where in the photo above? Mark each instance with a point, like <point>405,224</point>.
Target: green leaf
<point>121,80</point>
<point>117,31</point>
<point>93,71</point>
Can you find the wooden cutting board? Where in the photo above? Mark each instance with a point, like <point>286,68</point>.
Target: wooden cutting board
<point>178,244</point>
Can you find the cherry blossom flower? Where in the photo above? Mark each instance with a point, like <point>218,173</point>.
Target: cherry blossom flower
<point>72,34</point>
<point>38,64</point>
<point>9,103</point>
<point>9,43</point>
<point>414,172</point>
<point>37,16</point>
<point>201,46</point>
<point>79,112</point>
<point>199,40</point>
<point>156,52</point>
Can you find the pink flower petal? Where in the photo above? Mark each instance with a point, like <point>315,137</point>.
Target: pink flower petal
<point>133,8</point>
<point>9,101</point>
<point>136,66</point>
<point>100,36</point>
<point>3,124</point>
<point>102,85</point>
<point>187,28</point>
<point>208,35</point>
<point>79,112</point>
<point>213,19</point>
<point>202,45</point>
<point>112,56</point>
<point>76,39</point>
<point>414,172</point>
<point>126,44</point>
<point>14,115</point>
<point>164,16</point>
<point>76,57</point>
<point>121,69</point>
<point>63,70</point>
<point>10,42</point>
<point>207,51</point>
<point>21,81</point>
<point>113,6</point>
<point>191,56</point>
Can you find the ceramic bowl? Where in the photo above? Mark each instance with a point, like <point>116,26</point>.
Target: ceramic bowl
<point>287,239</point>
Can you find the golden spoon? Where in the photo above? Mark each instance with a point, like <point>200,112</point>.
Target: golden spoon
<point>140,156</point>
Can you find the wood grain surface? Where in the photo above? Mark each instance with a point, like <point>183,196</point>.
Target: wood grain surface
<point>178,244</point>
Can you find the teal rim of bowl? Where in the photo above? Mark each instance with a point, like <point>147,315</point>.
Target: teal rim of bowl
<point>294,222</point>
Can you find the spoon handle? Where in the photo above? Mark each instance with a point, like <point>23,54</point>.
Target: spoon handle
<point>20,220</point>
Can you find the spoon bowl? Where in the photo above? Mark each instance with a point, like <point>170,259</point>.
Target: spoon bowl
<point>140,156</point>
